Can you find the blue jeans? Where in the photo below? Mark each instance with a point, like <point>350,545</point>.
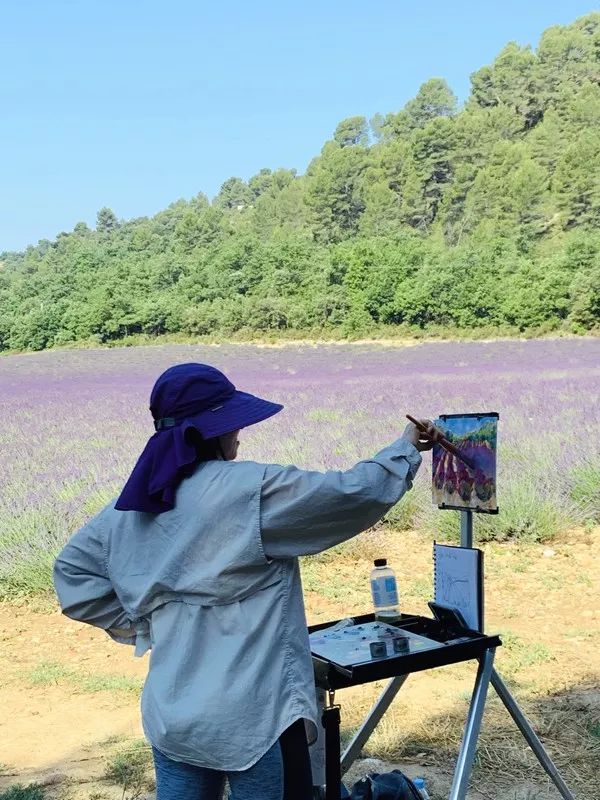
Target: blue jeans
<point>283,773</point>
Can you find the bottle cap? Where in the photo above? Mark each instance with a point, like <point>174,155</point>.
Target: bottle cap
<point>380,562</point>
<point>419,783</point>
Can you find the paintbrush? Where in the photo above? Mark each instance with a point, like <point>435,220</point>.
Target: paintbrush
<point>443,442</point>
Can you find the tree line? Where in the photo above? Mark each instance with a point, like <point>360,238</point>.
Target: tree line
<point>436,217</point>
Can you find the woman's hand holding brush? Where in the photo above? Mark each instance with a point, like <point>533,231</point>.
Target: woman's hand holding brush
<point>424,427</point>
<point>422,433</point>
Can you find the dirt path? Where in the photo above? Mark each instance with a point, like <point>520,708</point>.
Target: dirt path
<point>50,721</point>
<point>69,695</point>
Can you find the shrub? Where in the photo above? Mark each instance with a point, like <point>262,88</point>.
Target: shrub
<point>19,792</point>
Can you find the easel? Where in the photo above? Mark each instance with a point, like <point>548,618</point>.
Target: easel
<point>335,766</point>
<point>521,721</point>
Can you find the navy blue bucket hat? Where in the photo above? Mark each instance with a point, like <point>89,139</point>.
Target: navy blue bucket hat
<point>186,397</point>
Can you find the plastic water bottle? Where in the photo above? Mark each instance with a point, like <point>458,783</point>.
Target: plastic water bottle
<point>420,787</point>
<point>384,592</point>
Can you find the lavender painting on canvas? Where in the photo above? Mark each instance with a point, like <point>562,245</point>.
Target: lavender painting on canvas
<point>468,481</point>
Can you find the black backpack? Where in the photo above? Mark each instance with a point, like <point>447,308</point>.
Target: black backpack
<point>385,786</point>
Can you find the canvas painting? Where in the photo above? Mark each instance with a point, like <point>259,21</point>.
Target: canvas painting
<point>457,484</point>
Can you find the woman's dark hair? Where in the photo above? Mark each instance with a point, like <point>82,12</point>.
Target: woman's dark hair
<point>207,449</point>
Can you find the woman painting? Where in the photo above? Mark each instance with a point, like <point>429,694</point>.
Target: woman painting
<point>198,561</point>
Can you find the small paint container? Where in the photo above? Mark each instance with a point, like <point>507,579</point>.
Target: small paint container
<point>401,645</point>
<point>378,649</point>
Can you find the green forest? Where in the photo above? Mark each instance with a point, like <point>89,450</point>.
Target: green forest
<point>436,218</point>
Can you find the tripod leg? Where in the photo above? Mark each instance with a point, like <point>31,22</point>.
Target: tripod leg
<point>362,735</point>
<point>333,775</point>
<point>464,764</point>
<point>531,737</point>
<point>317,749</point>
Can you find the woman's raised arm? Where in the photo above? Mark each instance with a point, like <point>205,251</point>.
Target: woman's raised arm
<point>304,512</point>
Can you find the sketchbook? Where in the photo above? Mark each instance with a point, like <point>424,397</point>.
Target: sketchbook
<point>458,581</point>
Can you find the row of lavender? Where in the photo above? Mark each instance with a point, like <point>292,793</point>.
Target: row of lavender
<point>73,423</point>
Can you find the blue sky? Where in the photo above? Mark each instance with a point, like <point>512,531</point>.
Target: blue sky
<point>135,103</point>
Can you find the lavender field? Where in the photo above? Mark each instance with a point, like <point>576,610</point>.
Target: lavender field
<point>73,423</point>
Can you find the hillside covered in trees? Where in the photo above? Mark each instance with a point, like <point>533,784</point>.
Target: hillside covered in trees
<point>434,218</point>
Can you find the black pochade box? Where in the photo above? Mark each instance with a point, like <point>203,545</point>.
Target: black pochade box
<point>460,644</point>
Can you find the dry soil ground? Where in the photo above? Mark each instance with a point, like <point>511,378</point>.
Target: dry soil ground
<point>69,696</point>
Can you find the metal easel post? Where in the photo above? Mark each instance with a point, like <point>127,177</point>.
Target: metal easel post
<point>466,530</point>
<point>384,701</point>
<point>530,735</point>
<point>466,756</point>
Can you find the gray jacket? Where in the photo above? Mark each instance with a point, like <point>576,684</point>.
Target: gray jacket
<point>213,588</point>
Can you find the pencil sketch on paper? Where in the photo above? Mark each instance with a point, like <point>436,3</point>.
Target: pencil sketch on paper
<point>457,578</point>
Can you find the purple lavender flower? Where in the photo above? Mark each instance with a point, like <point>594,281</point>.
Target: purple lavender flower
<point>74,422</point>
